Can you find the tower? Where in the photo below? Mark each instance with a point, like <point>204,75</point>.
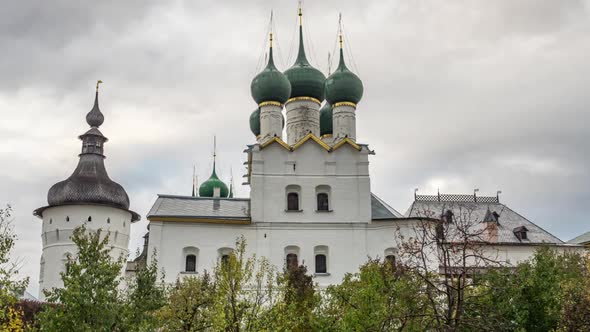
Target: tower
<point>88,197</point>
<point>214,187</point>
<point>307,94</point>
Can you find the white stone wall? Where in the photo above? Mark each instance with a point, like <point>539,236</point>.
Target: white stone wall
<point>345,171</point>
<point>56,232</point>
<point>271,122</point>
<point>303,117</point>
<point>344,122</point>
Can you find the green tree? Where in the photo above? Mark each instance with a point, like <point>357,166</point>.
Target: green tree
<point>144,296</point>
<point>10,286</point>
<point>380,297</point>
<point>244,291</point>
<point>89,299</point>
<point>189,305</point>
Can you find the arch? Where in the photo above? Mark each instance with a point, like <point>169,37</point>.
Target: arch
<point>323,193</point>
<point>224,254</point>
<point>293,197</point>
<point>391,256</point>
<point>190,259</point>
<point>321,259</point>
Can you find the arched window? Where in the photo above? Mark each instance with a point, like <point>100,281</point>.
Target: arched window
<point>224,259</point>
<point>323,202</point>
<point>89,218</point>
<point>68,218</point>
<point>320,264</point>
<point>293,202</point>
<point>224,254</point>
<point>108,220</point>
<point>390,259</point>
<point>292,261</point>
<point>390,256</point>
<point>191,263</point>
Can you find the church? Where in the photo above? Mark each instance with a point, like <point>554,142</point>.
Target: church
<point>310,193</point>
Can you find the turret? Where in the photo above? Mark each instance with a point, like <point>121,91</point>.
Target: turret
<point>307,94</point>
<point>88,197</point>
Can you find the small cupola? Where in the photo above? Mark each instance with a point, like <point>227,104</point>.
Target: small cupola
<point>255,122</point>
<point>343,86</point>
<point>270,85</point>
<point>326,119</point>
<point>214,187</point>
<point>306,81</point>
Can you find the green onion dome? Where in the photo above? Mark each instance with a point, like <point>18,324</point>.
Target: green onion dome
<point>207,189</point>
<point>255,122</point>
<point>326,119</point>
<point>270,84</point>
<point>306,81</point>
<point>343,85</point>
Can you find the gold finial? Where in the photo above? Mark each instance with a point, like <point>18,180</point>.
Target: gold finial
<point>340,29</point>
<point>271,40</point>
<point>97,83</point>
<point>300,14</point>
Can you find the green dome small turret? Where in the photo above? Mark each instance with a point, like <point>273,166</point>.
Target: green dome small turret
<point>343,85</point>
<point>255,122</point>
<point>207,189</point>
<point>306,81</point>
<point>326,119</point>
<point>270,84</point>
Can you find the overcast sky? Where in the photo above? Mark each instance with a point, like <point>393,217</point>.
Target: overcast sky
<point>458,95</point>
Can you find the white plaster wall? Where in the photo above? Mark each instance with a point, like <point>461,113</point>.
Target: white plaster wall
<point>345,171</point>
<point>303,117</point>
<point>344,122</point>
<point>271,122</point>
<point>55,247</point>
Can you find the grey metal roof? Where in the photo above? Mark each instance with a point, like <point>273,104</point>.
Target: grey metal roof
<point>200,207</point>
<point>581,239</point>
<point>475,209</point>
<point>381,210</point>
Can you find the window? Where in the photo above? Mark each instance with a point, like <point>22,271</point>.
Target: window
<point>293,193</point>
<point>321,259</point>
<point>189,259</point>
<point>323,202</point>
<point>293,202</point>
<point>390,256</point>
<point>390,259</point>
<point>191,263</point>
<point>292,261</point>
<point>224,254</point>
<point>50,221</point>
<point>68,218</point>
<point>89,218</point>
<point>320,264</point>
<point>224,259</point>
<point>108,220</point>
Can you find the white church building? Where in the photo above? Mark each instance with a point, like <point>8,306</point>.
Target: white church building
<point>310,193</point>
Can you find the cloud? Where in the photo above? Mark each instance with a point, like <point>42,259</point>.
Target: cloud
<point>458,95</point>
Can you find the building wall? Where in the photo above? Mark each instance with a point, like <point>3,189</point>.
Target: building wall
<point>57,230</point>
<point>345,171</point>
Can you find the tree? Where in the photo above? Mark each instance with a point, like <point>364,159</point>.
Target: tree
<point>445,252</point>
<point>89,299</point>
<point>144,296</point>
<point>380,297</point>
<point>10,287</point>
<point>189,305</point>
<point>244,291</point>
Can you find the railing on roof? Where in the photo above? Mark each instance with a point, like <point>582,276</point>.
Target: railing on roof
<point>457,198</point>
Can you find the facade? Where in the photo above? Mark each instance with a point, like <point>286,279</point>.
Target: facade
<point>310,194</point>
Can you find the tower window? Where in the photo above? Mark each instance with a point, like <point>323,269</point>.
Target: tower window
<point>224,259</point>
<point>68,218</point>
<point>50,221</point>
<point>292,261</point>
<point>320,264</point>
<point>191,263</point>
<point>323,202</point>
<point>390,259</point>
<point>89,218</point>
<point>108,220</point>
<point>293,202</point>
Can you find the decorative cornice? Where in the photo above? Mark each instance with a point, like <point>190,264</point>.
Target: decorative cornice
<point>304,99</point>
<point>277,140</point>
<point>270,102</point>
<point>346,140</point>
<point>201,220</point>
<point>312,137</point>
<point>344,103</point>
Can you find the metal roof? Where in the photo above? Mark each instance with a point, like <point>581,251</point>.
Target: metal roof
<point>234,208</point>
<point>581,239</point>
<point>475,209</point>
<point>201,207</point>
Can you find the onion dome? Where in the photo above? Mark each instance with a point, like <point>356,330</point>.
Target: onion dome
<point>270,84</point>
<point>207,189</point>
<point>326,119</point>
<point>90,182</point>
<point>306,81</point>
<point>343,85</point>
<point>255,122</point>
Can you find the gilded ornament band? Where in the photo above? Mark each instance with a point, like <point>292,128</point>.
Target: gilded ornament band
<point>267,103</point>
<point>304,98</point>
<point>345,103</point>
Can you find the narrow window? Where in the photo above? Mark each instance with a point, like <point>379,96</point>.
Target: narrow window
<point>50,221</point>
<point>89,218</point>
<point>191,263</point>
<point>292,262</point>
<point>293,202</point>
<point>224,259</point>
<point>390,259</point>
<point>68,218</point>
<point>323,202</point>
<point>123,224</point>
<point>320,264</point>
<point>108,220</point>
